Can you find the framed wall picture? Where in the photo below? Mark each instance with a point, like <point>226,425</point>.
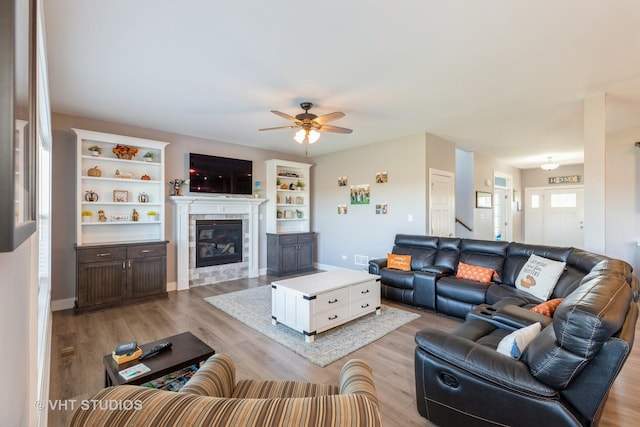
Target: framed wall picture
<point>17,123</point>
<point>483,200</point>
<point>121,196</point>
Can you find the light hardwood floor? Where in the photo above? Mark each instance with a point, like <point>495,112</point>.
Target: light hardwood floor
<point>80,341</point>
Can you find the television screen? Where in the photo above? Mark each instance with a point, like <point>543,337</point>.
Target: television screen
<point>212,174</point>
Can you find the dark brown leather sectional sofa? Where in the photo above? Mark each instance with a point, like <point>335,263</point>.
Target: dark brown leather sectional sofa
<point>563,376</point>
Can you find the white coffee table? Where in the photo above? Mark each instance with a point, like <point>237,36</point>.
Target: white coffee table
<point>317,302</point>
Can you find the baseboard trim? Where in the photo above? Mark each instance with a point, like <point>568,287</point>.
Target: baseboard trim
<point>327,267</point>
<point>172,286</point>
<point>63,304</point>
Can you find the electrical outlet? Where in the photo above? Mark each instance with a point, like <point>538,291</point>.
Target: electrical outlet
<point>361,260</point>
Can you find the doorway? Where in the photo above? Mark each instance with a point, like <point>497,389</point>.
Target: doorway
<point>554,216</point>
<point>441,203</point>
<point>502,191</point>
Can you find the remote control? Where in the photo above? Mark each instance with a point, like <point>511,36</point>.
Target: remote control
<point>154,351</point>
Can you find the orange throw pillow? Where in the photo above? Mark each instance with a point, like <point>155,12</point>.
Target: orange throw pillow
<point>399,262</point>
<point>474,272</point>
<point>547,308</point>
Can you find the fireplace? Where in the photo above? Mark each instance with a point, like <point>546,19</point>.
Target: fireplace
<point>218,241</point>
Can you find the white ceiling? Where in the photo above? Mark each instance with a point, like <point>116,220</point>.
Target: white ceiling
<point>502,77</point>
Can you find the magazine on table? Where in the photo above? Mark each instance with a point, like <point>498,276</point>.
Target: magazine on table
<point>134,371</point>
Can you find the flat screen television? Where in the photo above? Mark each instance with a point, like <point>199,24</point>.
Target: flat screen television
<point>212,174</point>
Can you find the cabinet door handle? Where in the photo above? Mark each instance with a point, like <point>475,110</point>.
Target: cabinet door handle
<point>146,251</point>
<point>333,317</point>
<point>124,266</point>
<point>129,264</point>
<point>334,301</point>
<point>105,254</point>
<point>364,306</point>
<point>365,291</point>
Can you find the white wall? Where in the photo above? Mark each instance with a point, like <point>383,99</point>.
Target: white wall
<point>622,204</point>
<point>361,231</point>
<point>18,314</point>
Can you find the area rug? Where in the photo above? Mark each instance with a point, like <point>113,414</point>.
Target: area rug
<point>253,308</point>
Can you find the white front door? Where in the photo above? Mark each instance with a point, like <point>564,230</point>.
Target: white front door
<point>555,216</point>
<point>441,203</point>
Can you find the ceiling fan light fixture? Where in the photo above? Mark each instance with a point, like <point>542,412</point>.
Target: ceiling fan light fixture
<point>549,166</point>
<point>313,136</point>
<point>300,136</point>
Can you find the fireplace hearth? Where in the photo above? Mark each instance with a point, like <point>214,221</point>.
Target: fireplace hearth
<point>218,242</point>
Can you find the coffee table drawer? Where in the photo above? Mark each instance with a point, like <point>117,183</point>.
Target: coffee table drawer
<point>365,305</point>
<point>331,300</point>
<point>364,290</point>
<point>328,319</point>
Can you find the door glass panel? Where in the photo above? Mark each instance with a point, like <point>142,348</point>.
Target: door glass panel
<point>567,200</point>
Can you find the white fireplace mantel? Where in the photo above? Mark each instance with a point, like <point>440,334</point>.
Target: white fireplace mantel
<point>185,206</point>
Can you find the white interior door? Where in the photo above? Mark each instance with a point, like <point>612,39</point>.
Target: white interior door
<point>555,216</point>
<point>442,203</point>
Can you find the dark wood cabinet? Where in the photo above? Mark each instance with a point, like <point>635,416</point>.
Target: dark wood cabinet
<point>290,253</point>
<point>116,274</point>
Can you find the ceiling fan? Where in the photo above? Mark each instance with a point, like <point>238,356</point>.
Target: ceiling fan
<point>310,124</point>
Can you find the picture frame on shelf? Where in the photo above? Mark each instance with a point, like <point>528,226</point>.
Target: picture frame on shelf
<point>120,196</point>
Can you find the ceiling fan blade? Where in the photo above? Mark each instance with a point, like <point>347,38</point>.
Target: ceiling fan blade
<point>329,117</point>
<point>281,127</point>
<point>335,129</point>
<point>285,116</point>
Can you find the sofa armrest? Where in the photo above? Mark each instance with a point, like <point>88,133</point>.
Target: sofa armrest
<point>356,377</point>
<point>376,264</point>
<point>216,377</point>
<point>481,361</point>
<point>518,317</point>
<point>135,406</point>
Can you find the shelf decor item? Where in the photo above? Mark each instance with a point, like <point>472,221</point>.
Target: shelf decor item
<point>124,151</point>
<point>94,171</point>
<point>95,150</point>
<point>120,196</point>
<point>177,184</point>
<point>87,216</point>
<point>148,156</point>
<point>91,196</point>
<point>152,216</point>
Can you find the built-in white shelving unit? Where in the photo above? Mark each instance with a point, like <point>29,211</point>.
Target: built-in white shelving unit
<point>288,202</point>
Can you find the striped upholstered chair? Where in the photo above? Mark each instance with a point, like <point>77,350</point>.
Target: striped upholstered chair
<point>213,398</point>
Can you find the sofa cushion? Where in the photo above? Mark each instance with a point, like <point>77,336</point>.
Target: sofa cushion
<point>513,345</point>
<point>498,292</point>
<point>421,248</point>
<point>518,254</point>
<point>468,291</point>
<point>448,252</point>
<point>547,308</point>
<point>539,276</point>
<point>474,272</point>
<point>399,262</point>
<point>484,253</point>
<point>397,278</point>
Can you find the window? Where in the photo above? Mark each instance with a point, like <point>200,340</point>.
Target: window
<point>567,200</point>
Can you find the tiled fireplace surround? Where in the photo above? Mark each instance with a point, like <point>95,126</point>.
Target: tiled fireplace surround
<point>189,209</point>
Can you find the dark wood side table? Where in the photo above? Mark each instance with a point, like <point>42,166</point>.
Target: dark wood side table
<point>186,350</point>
